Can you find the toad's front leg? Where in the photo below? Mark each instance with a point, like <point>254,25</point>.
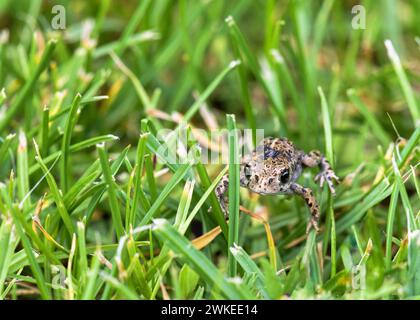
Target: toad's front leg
<point>315,158</point>
<point>308,195</point>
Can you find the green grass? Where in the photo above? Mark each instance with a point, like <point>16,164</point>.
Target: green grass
<point>90,194</point>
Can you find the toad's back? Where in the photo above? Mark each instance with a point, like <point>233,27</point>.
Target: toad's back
<point>277,152</point>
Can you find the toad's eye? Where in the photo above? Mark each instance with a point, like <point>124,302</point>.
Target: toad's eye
<point>247,171</point>
<point>284,177</point>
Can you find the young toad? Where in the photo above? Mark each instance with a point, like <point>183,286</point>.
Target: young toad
<point>273,168</point>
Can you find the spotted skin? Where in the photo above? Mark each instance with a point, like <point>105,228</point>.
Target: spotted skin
<point>273,168</point>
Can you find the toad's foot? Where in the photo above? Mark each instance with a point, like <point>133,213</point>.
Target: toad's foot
<point>316,158</point>
<point>329,176</point>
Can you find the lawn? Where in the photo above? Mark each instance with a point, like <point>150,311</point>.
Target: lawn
<point>118,120</point>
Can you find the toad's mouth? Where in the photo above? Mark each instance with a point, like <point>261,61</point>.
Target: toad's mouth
<point>270,190</point>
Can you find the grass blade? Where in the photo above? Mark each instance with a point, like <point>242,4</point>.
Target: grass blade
<point>233,191</point>
<point>28,87</point>
<point>57,194</point>
<point>37,272</point>
<point>176,178</point>
<point>65,146</point>
<point>330,157</point>
<point>390,225</point>
<point>112,192</point>
<point>195,259</point>
<point>404,83</point>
